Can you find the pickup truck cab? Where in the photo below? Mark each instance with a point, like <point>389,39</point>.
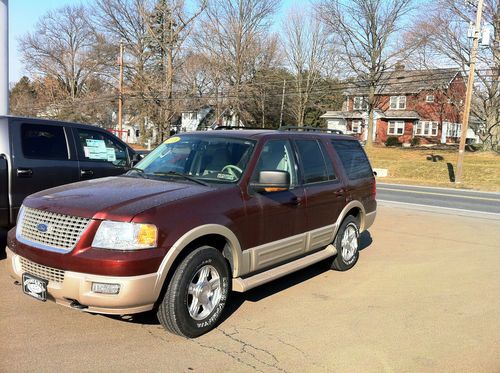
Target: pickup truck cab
<point>204,214</point>
<point>37,154</point>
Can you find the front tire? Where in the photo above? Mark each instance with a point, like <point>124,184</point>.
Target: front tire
<point>197,294</point>
<point>347,245</point>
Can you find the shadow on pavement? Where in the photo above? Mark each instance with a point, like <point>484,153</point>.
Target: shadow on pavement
<point>255,295</point>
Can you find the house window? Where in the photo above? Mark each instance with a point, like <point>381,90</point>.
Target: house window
<point>360,103</point>
<point>429,98</point>
<point>398,102</point>
<point>426,128</point>
<point>356,126</point>
<point>454,130</point>
<point>396,127</point>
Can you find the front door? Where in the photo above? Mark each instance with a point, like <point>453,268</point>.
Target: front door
<point>100,154</point>
<point>277,219</point>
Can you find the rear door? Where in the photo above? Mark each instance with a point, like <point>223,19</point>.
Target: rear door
<point>100,154</point>
<point>324,190</point>
<point>43,158</point>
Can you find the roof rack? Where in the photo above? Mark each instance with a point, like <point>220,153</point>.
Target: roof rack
<point>311,129</point>
<point>242,128</point>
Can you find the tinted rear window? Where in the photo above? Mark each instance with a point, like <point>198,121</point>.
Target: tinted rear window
<point>314,162</point>
<point>43,142</point>
<point>353,159</point>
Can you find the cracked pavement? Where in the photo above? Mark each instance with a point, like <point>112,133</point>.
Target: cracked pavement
<point>424,296</point>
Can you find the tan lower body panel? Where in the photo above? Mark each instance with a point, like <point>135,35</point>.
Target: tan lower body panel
<point>137,293</point>
<point>244,284</point>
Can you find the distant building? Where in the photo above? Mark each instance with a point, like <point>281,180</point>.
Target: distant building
<point>205,118</point>
<point>409,103</point>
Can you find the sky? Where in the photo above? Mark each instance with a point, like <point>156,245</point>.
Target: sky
<point>24,14</point>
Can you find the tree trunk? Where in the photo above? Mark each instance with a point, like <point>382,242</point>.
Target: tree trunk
<point>369,126</point>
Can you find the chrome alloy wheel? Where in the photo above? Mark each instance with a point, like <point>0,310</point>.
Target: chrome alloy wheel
<point>204,292</point>
<point>349,242</point>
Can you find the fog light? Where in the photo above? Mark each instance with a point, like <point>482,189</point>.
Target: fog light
<point>99,287</point>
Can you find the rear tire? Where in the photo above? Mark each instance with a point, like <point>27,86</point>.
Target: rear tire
<point>197,294</point>
<point>347,243</point>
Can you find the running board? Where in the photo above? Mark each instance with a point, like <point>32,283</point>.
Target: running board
<point>243,284</point>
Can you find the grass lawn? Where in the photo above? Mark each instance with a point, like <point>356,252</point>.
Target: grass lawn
<point>411,166</point>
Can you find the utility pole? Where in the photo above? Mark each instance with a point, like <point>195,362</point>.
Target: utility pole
<point>4,56</point>
<point>282,102</point>
<point>120,93</point>
<point>468,96</point>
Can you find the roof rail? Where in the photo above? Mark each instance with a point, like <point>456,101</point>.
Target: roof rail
<point>241,128</point>
<point>311,129</point>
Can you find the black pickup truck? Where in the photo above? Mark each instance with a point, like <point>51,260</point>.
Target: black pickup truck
<point>37,154</point>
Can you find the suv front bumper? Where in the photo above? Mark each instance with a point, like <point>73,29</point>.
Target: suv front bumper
<point>137,293</point>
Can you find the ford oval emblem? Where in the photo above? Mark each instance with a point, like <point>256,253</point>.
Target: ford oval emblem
<point>42,227</point>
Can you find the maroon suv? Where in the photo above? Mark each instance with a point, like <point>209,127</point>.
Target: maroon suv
<point>203,214</point>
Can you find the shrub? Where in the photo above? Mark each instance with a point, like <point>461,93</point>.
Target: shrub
<point>415,141</point>
<point>392,141</point>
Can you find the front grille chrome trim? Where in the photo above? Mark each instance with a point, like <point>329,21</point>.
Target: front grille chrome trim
<point>65,230</point>
<point>44,272</point>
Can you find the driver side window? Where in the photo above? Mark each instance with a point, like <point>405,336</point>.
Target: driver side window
<point>277,155</point>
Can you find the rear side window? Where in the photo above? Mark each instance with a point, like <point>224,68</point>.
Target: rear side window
<point>43,142</point>
<point>315,163</point>
<point>353,159</point>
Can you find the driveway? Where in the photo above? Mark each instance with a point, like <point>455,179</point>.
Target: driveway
<point>424,296</point>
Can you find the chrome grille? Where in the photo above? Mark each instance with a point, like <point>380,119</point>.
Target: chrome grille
<point>46,273</point>
<point>62,231</point>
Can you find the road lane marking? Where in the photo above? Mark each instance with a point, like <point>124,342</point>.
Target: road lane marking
<point>436,187</point>
<point>433,208</point>
<point>438,194</point>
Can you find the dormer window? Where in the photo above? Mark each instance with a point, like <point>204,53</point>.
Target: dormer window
<point>398,102</point>
<point>360,103</point>
<point>429,98</point>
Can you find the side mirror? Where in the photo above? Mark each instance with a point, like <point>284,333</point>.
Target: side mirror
<point>271,181</point>
<point>136,158</point>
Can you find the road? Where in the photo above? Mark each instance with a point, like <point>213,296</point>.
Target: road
<point>458,199</point>
<point>424,296</point>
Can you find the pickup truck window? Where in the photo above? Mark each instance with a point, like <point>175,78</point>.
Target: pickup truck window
<point>43,142</point>
<point>96,146</point>
<point>316,166</point>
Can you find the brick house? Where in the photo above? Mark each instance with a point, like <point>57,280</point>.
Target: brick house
<point>409,103</point>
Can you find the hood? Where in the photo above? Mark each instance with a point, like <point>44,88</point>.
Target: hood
<point>113,198</point>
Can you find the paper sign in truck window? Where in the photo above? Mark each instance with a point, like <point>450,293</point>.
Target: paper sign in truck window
<point>96,149</point>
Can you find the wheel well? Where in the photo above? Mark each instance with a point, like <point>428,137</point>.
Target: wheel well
<point>214,240</point>
<point>356,213</point>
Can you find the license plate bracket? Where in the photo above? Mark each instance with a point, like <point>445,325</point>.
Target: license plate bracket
<point>35,287</point>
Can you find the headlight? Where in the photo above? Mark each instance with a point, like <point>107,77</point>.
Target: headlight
<point>125,236</point>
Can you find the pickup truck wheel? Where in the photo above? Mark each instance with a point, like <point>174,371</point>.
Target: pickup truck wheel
<point>346,243</point>
<point>197,294</point>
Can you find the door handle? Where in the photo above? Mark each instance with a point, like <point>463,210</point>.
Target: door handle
<point>24,172</point>
<point>296,201</point>
<point>86,173</point>
<point>339,193</point>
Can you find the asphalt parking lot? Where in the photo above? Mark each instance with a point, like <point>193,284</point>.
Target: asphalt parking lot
<point>424,296</point>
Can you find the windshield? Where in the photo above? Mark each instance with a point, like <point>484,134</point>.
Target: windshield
<point>198,158</point>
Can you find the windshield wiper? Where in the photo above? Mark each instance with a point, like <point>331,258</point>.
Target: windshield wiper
<point>139,171</point>
<point>184,176</point>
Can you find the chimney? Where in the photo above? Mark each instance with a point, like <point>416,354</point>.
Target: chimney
<point>399,66</point>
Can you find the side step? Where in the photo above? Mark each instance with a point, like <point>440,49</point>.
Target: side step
<point>243,284</point>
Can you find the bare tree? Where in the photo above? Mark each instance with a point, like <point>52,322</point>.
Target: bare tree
<point>366,31</point>
<point>443,39</point>
<point>236,32</point>
<point>305,45</point>
<point>64,45</point>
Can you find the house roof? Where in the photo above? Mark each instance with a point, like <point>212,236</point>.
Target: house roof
<point>406,81</point>
<point>342,114</point>
<point>400,114</point>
